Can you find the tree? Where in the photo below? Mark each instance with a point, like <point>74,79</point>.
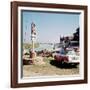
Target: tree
<point>76,35</point>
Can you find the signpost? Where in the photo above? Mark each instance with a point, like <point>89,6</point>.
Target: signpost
<point>33,39</point>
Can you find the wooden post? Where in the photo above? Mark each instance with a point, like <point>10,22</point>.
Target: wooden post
<point>33,52</point>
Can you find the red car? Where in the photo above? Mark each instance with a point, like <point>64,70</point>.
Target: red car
<point>61,58</point>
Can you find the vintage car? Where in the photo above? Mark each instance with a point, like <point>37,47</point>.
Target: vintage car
<point>69,57</point>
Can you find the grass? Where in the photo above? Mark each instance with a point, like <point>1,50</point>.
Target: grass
<point>48,69</point>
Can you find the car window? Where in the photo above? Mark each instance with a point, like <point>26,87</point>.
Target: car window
<point>62,51</point>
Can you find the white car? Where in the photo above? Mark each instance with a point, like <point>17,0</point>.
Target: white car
<point>73,57</point>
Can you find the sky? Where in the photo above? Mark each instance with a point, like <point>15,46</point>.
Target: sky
<point>49,26</point>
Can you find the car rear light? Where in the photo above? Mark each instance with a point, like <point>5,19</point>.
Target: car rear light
<point>66,59</point>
